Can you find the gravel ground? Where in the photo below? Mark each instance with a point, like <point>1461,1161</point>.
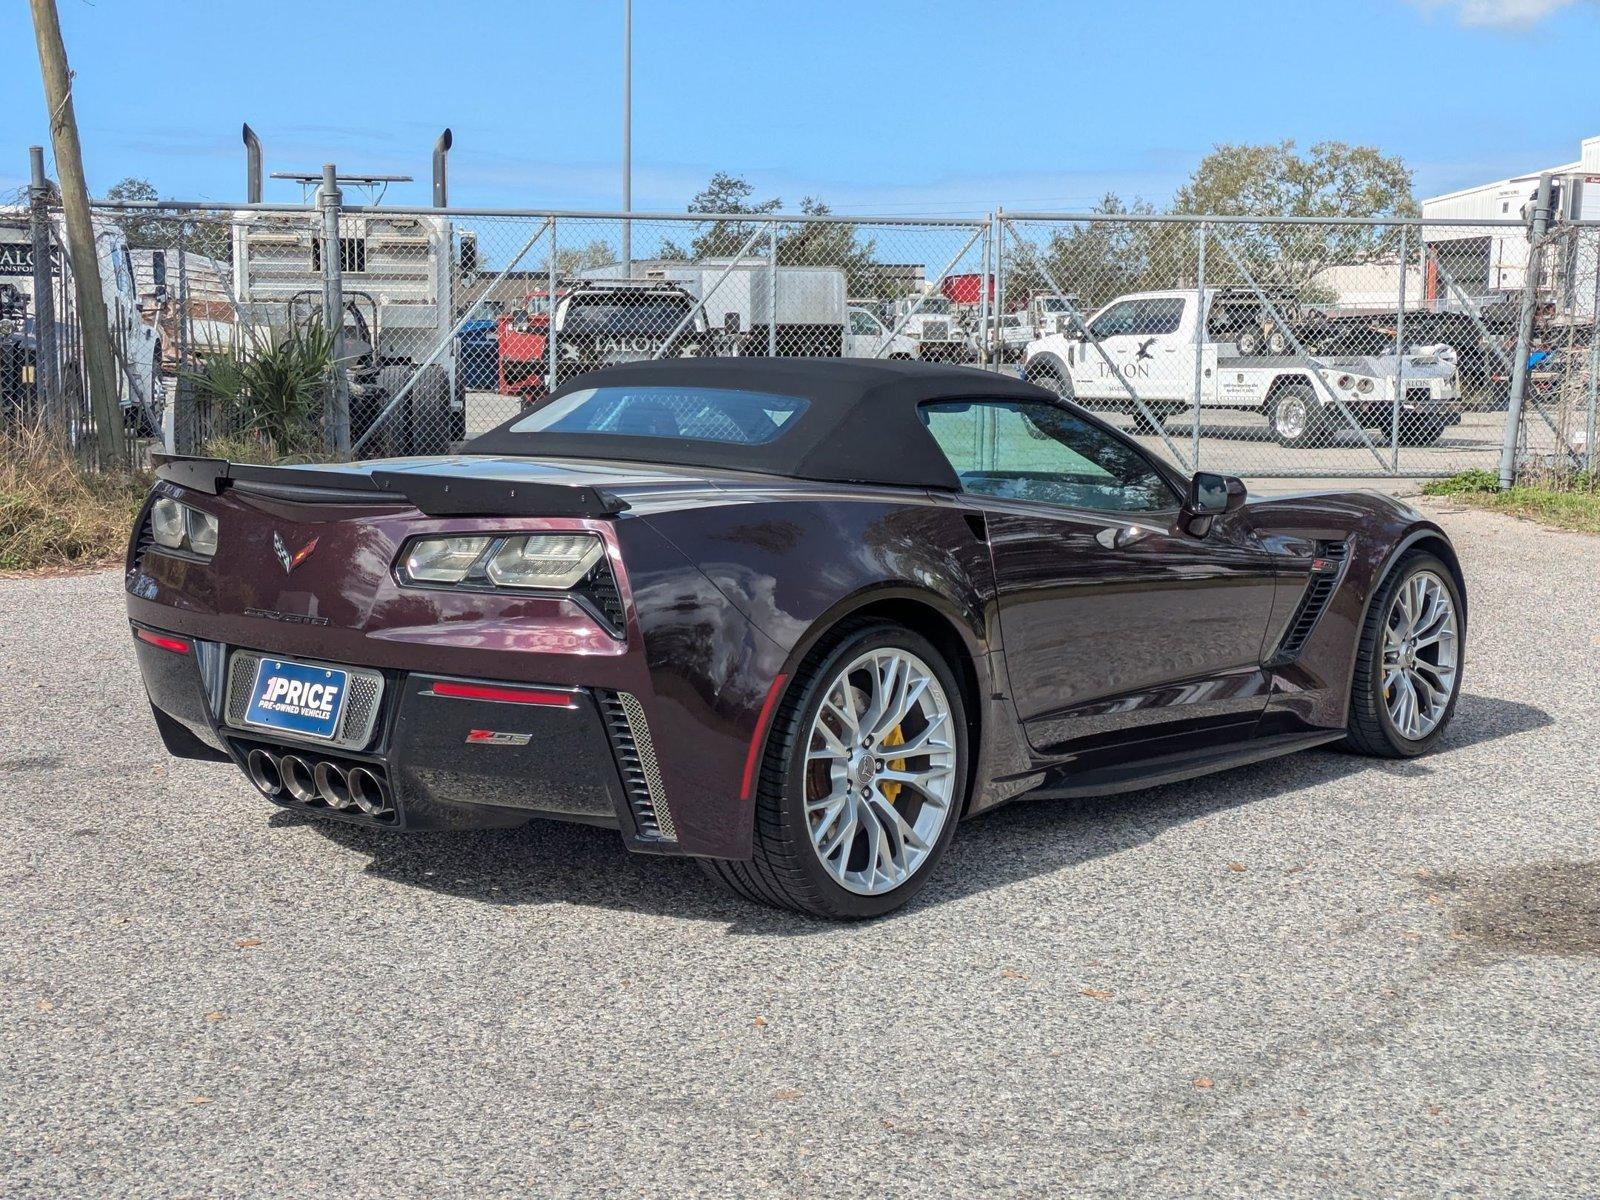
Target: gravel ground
<point>1320,976</point>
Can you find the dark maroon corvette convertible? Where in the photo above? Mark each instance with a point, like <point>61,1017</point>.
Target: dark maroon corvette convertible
<point>793,618</point>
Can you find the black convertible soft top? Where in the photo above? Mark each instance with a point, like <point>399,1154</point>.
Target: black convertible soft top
<point>859,423</point>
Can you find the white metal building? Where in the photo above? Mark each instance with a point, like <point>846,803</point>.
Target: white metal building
<point>1488,262</point>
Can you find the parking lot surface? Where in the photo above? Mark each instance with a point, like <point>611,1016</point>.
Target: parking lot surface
<point>1317,976</point>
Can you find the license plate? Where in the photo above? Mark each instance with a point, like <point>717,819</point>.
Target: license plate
<point>297,698</point>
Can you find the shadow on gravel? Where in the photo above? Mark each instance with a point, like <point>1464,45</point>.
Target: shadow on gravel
<point>549,862</point>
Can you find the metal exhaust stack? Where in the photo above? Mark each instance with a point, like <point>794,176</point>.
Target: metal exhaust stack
<point>441,150</point>
<point>252,166</point>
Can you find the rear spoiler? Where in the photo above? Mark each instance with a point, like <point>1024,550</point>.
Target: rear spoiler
<point>434,495</point>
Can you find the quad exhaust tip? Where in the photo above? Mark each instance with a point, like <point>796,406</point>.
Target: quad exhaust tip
<point>340,788</point>
<point>368,792</point>
<point>298,778</point>
<point>264,773</point>
<point>331,785</point>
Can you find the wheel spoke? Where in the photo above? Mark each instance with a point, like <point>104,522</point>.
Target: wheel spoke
<point>844,836</point>
<point>916,778</point>
<point>921,742</point>
<point>887,812</point>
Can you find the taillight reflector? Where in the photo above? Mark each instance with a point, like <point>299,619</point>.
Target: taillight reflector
<point>754,753</point>
<point>162,641</point>
<point>503,695</point>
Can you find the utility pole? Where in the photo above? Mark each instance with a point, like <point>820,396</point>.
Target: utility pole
<point>92,321</point>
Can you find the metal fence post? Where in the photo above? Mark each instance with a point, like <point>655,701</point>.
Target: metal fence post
<point>551,282</point>
<point>1594,358</point>
<point>998,236</point>
<point>185,438</point>
<point>1199,341</point>
<point>1519,364</point>
<point>772,290</point>
<point>47,379</point>
<point>1400,357</point>
<point>983,298</point>
<point>338,402</point>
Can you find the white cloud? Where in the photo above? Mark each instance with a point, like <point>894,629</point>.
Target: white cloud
<point>1499,14</point>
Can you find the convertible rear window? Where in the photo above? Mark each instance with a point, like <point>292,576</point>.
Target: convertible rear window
<point>699,414</point>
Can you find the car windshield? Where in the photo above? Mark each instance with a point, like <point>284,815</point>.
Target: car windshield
<point>692,413</point>
<point>936,305</point>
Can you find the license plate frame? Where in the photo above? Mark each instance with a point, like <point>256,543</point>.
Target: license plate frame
<point>290,712</point>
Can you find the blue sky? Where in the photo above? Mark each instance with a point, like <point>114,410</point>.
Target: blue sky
<point>876,106</point>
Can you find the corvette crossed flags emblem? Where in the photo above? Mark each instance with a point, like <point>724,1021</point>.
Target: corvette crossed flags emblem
<point>291,561</point>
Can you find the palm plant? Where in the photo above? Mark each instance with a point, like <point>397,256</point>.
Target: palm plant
<point>272,385</point>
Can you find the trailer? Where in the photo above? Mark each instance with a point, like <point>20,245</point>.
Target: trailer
<point>789,312</point>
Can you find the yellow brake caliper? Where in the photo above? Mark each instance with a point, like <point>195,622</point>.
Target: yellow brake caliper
<point>891,791</point>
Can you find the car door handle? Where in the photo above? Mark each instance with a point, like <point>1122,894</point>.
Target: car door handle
<point>1120,537</point>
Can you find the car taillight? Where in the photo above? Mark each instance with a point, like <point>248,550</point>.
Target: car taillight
<point>573,563</point>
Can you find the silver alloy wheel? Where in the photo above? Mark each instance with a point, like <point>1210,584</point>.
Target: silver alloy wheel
<point>880,771</point>
<point>1290,417</point>
<point>1420,655</point>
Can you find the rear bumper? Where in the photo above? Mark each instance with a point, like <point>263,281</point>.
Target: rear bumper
<point>442,761</point>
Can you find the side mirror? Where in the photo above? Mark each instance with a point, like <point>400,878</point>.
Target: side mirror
<point>1210,496</point>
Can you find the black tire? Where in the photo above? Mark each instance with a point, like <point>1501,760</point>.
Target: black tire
<point>1416,430</point>
<point>1143,424</point>
<point>393,434</point>
<point>1278,342</point>
<point>1049,378</point>
<point>1249,343</point>
<point>1370,730</point>
<point>428,413</point>
<point>1283,417</point>
<point>784,870</point>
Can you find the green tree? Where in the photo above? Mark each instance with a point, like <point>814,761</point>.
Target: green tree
<point>165,228</point>
<point>1098,260</point>
<point>1332,180</point>
<point>728,194</point>
<point>824,243</point>
<point>832,243</point>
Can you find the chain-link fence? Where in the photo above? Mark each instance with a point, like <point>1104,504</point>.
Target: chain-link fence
<point>1263,348</point>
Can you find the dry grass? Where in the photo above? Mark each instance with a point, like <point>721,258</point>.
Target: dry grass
<point>53,515</point>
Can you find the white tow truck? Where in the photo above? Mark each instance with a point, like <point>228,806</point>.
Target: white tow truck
<point>1145,344</point>
<point>134,347</point>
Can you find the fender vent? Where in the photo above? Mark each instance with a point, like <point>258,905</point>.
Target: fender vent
<point>636,758</point>
<point>1326,571</point>
<point>145,542</point>
<point>600,587</point>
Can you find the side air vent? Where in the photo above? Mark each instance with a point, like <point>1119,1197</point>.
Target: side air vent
<point>1326,570</point>
<point>145,542</point>
<point>636,757</point>
<point>599,587</point>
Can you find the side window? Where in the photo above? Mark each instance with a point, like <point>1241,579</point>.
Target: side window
<point>1117,319</point>
<point>865,323</point>
<point>1021,450</point>
<point>1162,315</point>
